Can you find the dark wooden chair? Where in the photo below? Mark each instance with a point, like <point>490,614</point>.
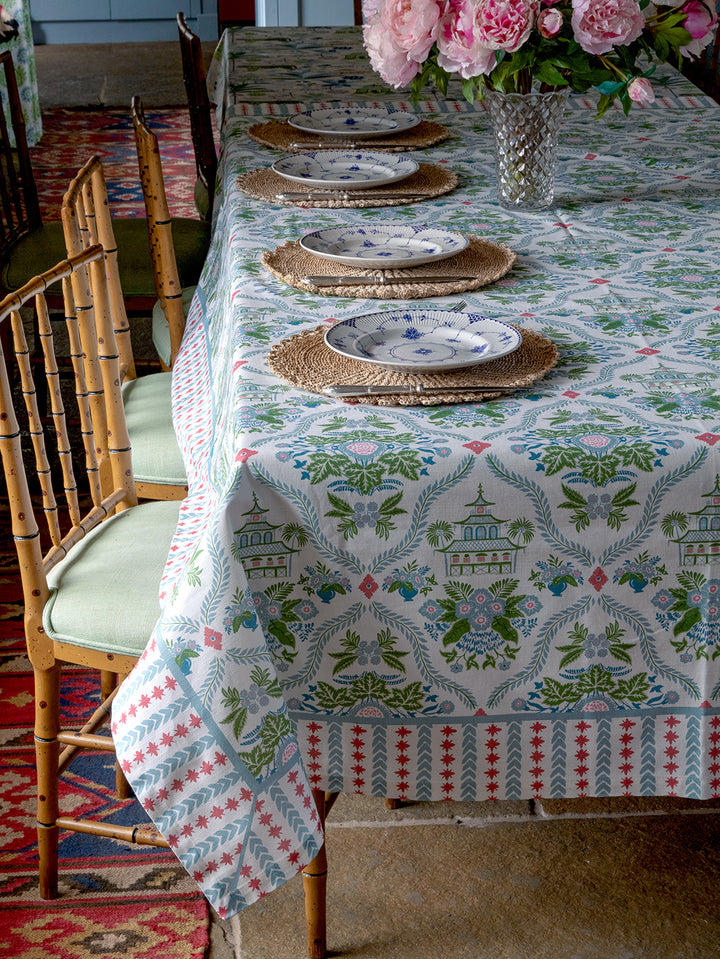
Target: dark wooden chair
<point>704,72</point>
<point>201,124</point>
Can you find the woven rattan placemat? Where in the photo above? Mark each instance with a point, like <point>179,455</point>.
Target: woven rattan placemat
<point>280,135</point>
<point>483,261</point>
<point>428,181</point>
<point>305,360</point>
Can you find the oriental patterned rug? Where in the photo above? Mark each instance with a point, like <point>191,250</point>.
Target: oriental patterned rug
<point>70,137</point>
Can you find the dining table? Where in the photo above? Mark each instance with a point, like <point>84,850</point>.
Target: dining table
<point>504,587</point>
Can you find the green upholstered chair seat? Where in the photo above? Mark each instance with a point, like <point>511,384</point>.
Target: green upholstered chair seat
<point>191,239</point>
<point>31,255</point>
<point>105,593</point>
<point>202,200</point>
<point>155,452</point>
<point>160,328</point>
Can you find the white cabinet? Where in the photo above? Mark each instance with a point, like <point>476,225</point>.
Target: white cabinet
<point>304,13</point>
<point>119,21</point>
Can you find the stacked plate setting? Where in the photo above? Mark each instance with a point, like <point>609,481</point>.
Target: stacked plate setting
<point>414,341</point>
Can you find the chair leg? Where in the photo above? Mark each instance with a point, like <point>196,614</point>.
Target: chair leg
<point>315,886</point>
<point>108,682</point>
<point>47,704</point>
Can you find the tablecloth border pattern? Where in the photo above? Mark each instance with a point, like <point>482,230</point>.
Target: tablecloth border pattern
<point>517,757</point>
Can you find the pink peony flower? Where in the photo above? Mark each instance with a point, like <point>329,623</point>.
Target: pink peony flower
<point>505,24</point>
<point>700,23</point>
<point>459,48</point>
<point>600,25</point>
<point>412,24</point>
<point>550,22</point>
<point>370,8</point>
<point>386,57</point>
<point>640,90</point>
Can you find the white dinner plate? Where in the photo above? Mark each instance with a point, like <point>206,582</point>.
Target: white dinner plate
<point>345,170</point>
<point>422,341</point>
<point>385,245</point>
<point>355,121</point>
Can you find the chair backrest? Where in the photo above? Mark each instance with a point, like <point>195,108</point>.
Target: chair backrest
<point>201,127</point>
<point>37,461</point>
<point>705,70</point>
<point>86,221</point>
<point>19,206</point>
<point>162,250</point>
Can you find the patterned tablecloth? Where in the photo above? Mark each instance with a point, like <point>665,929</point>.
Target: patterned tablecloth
<point>23,54</point>
<point>500,600</point>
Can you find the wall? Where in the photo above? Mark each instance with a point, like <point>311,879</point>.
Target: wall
<point>119,21</point>
<point>306,13</point>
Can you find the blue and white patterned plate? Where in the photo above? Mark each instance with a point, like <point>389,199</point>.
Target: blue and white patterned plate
<point>345,170</point>
<point>355,121</point>
<point>384,246</point>
<point>422,341</point>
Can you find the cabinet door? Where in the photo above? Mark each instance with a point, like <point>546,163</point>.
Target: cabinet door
<point>147,9</point>
<point>61,10</point>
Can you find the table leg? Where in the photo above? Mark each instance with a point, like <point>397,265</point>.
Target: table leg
<point>315,884</point>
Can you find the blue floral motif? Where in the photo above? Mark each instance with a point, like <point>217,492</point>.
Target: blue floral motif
<point>254,698</point>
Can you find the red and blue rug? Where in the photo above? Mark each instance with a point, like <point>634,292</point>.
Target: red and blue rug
<point>70,137</point>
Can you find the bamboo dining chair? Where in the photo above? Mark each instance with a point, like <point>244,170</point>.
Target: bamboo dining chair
<point>201,124</point>
<point>91,578</point>
<point>168,321</point>
<point>158,467</point>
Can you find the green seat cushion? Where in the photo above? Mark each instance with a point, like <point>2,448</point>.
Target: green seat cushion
<point>160,328</point>
<point>104,594</point>
<point>191,239</point>
<point>202,199</point>
<point>45,246</point>
<point>155,452</point>
<point>32,254</point>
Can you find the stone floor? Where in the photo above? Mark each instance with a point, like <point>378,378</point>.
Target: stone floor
<point>583,879</point>
<point>551,879</point>
<point>109,74</point>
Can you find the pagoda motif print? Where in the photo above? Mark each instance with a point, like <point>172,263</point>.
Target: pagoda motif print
<point>481,546</point>
<point>259,547</point>
<point>701,545</point>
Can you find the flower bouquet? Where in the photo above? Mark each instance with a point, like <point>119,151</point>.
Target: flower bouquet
<point>517,46</point>
<point>525,56</point>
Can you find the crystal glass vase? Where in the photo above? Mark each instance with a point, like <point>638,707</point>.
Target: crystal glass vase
<point>526,128</point>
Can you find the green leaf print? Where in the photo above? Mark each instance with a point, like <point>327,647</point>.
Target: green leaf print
<point>282,634</point>
<point>408,697</point>
<point>364,477</point>
<point>345,512</point>
<point>257,759</point>
<point>323,465</point>
<point>369,686</point>
<point>274,729</point>
<point>238,713</point>
<point>634,690</point>
<point>332,697</point>
<point>555,693</point>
